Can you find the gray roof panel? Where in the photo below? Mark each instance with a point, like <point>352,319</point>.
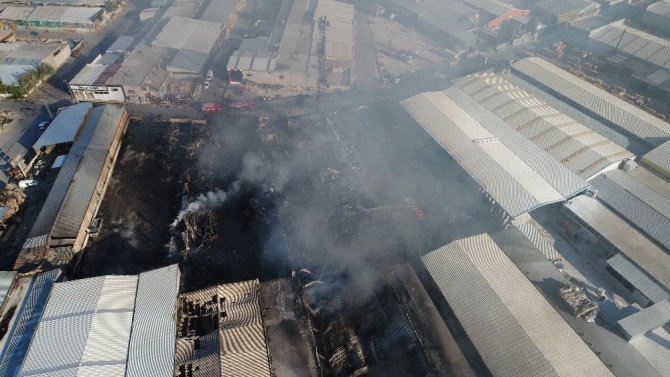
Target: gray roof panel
<point>65,125</point>
<point>647,319</point>
<point>638,278</point>
<point>659,158</point>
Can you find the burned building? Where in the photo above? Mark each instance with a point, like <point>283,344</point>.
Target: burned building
<point>62,226</point>
<point>221,332</point>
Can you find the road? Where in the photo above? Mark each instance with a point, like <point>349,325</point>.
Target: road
<point>365,71</point>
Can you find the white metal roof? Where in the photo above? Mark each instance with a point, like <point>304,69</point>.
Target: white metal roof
<point>152,345</point>
<point>188,34</point>
<point>15,13</point>
<point>6,279</point>
<point>107,326</point>
<point>515,172</point>
<point>627,39</point>
<point>64,126</point>
<point>538,240</point>
<point>598,103</point>
<point>512,326</point>
<point>651,258</point>
<point>19,334</point>
<point>576,146</point>
<point>638,278</point>
<point>340,31</point>
<point>643,207</point>
<point>653,347</point>
<point>647,319</point>
<point>659,158</point>
<point>85,322</point>
<point>89,74</point>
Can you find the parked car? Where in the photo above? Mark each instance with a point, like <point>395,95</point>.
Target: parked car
<point>206,85</point>
<point>27,183</point>
<point>43,126</point>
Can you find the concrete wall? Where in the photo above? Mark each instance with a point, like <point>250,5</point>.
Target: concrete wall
<point>98,93</point>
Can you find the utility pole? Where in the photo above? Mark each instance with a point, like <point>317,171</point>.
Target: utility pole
<point>321,55</point>
<point>48,109</point>
<point>74,99</point>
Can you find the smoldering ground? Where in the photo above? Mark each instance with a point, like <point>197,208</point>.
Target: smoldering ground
<point>346,194</point>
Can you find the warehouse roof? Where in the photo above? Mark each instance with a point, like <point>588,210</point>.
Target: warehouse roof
<point>638,278</point>
<point>10,73</point>
<point>646,320</point>
<point>187,61</point>
<point>88,325</point>
<point>138,66</point>
<point>559,8</point>
<point>6,279</point>
<point>652,259</point>
<point>219,11</point>
<point>516,173</point>
<point>16,13</point>
<point>653,347</point>
<point>152,344</point>
<point>340,32</point>
<point>497,306</point>
<point>188,34</point>
<point>659,158</point>
<point>64,126</point>
<point>604,106</point>
<point>634,42</point>
<point>74,15</point>
<point>643,207</point>
<point>538,240</point>
<point>30,303</point>
<point>576,146</point>
<point>662,8</point>
<point>121,44</point>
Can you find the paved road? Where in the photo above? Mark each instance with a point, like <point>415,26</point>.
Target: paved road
<point>365,71</point>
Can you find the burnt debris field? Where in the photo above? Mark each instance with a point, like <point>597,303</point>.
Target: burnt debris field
<point>346,192</point>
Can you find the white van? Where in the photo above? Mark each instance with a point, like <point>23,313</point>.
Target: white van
<point>27,183</point>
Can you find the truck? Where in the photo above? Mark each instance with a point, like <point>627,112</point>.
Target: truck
<point>212,107</point>
<point>242,105</point>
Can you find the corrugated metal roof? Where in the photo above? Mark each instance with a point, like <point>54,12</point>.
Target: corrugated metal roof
<point>653,347</point>
<point>152,345</point>
<point>537,239</point>
<point>659,158</point>
<point>183,33</point>
<point>85,323</point>
<point>6,279</point>
<point>637,203</point>
<point>243,348</point>
<point>219,11</point>
<point>651,258</point>
<point>577,147</point>
<point>629,40</point>
<point>498,307</point>
<point>515,172</point>
<point>662,8</point>
<point>638,278</point>
<point>27,316</point>
<point>121,44</point>
<point>614,111</point>
<point>15,13</point>
<point>647,319</point>
<point>64,126</point>
<point>188,61</point>
<point>88,75</point>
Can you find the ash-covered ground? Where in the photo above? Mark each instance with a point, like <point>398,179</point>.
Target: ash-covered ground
<point>344,190</point>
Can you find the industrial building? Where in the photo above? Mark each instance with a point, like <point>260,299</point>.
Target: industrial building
<point>601,111</point>
<point>553,12</point>
<point>657,16</point>
<point>18,57</point>
<point>516,174</point>
<point>295,62</point>
<point>82,19</point>
<point>108,325</point>
<point>623,38</point>
<point>61,228</point>
<point>658,159</point>
<point>22,301</point>
<point>63,128</point>
<point>221,332</point>
<point>647,330</point>
<point>498,306</point>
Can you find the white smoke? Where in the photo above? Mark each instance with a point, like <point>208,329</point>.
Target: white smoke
<point>210,200</point>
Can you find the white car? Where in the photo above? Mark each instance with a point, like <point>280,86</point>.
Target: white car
<point>206,85</point>
<point>27,183</point>
<point>43,126</point>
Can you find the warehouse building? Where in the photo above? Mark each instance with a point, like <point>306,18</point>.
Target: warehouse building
<point>61,228</point>
<point>580,149</point>
<point>649,332</point>
<point>18,57</point>
<point>65,18</point>
<point>25,297</point>
<point>108,325</point>
<point>221,332</point>
<point>552,12</point>
<point>513,172</point>
<point>607,114</point>
<point>657,16</point>
<point>647,277</point>
<point>63,128</point>
<point>658,159</point>
<point>623,38</point>
<point>498,306</point>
